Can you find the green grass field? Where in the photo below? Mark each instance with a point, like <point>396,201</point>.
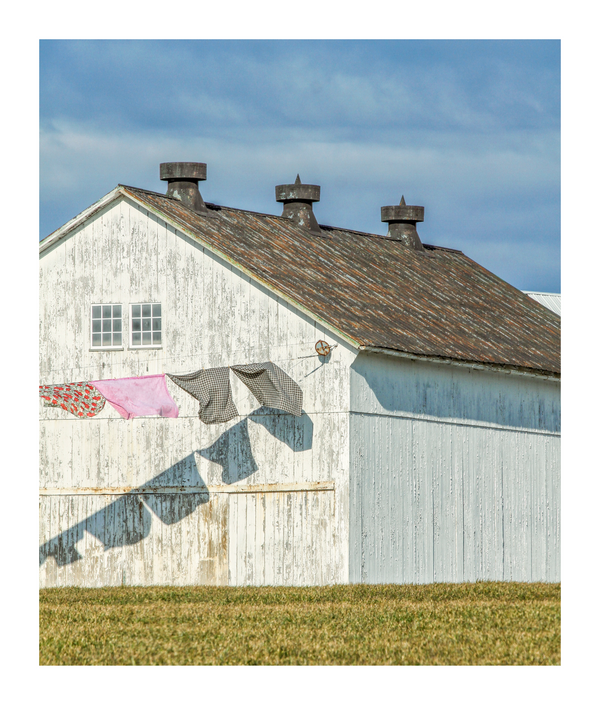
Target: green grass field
<point>445,624</point>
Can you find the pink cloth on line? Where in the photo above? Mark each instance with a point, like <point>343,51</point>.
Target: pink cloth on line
<point>139,396</point>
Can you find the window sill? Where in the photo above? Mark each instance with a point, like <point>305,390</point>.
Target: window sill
<point>136,347</point>
<point>145,347</point>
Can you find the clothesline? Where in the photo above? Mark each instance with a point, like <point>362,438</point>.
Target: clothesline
<point>148,395</point>
<point>184,357</point>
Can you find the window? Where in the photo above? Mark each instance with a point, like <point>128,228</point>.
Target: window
<point>146,325</point>
<point>107,326</point>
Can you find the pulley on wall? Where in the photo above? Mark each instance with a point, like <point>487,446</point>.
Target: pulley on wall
<point>323,349</point>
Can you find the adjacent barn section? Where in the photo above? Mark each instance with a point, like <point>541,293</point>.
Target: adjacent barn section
<point>454,473</point>
<point>427,447</point>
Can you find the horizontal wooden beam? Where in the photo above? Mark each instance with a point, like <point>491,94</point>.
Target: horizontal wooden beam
<point>213,489</point>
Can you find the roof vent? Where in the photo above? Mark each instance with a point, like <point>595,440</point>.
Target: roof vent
<point>183,180</point>
<point>297,201</point>
<point>403,221</point>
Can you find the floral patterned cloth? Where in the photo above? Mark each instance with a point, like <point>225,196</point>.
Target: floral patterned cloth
<point>79,398</point>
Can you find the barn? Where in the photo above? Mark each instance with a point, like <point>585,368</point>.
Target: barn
<point>426,446</point>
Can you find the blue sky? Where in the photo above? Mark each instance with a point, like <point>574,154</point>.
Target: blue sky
<point>468,129</point>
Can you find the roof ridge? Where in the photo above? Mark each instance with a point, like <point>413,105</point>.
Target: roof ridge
<point>218,207</point>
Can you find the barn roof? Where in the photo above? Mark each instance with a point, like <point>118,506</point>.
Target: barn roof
<point>377,292</point>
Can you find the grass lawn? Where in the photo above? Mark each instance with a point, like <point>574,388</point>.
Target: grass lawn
<point>470,623</point>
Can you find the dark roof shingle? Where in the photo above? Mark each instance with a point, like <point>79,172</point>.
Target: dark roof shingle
<point>381,293</point>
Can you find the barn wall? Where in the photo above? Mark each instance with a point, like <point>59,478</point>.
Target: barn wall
<point>454,475</point>
<point>262,499</point>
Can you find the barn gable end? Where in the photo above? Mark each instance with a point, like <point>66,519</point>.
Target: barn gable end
<point>248,501</point>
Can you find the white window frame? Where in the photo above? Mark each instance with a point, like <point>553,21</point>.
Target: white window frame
<point>147,346</point>
<point>118,346</point>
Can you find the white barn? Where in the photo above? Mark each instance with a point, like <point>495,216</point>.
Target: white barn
<point>428,448</point>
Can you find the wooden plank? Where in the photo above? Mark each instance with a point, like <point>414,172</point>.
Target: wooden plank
<point>212,489</point>
<point>250,557</point>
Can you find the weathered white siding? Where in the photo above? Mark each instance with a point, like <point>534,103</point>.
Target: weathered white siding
<point>454,474</point>
<point>260,500</point>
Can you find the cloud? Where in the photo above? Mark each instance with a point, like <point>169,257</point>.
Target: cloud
<point>360,85</point>
<point>473,190</point>
<point>470,130</point>
<point>76,156</point>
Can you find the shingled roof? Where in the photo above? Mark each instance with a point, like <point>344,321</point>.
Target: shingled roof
<point>378,292</point>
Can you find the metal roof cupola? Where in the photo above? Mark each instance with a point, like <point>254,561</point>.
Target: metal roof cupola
<point>183,180</point>
<point>402,222</point>
<point>297,199</point>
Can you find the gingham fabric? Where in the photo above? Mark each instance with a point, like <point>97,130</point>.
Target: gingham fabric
<point>271,386</point>
<point>79,398</point>
<point>212,389</point>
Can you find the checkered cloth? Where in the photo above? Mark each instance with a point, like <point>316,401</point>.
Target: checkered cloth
<point>271,386</point>
<point>79,398</point>
<point>212,389</point>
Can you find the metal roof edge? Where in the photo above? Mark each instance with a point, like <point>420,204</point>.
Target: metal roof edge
<point>65,229</point>
<point>486,366</point>
<point>541,293</point>
<point>181,228</point>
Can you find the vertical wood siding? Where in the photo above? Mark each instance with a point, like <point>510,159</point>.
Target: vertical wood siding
<point>455,475</point>
<point>213,315</point>
<point>107,541</point>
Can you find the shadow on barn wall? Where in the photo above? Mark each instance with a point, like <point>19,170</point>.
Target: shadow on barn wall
<point>233,450</point>
<point>449,392</point>
<point>127,520</point>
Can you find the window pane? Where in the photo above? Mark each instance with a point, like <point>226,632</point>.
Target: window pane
<point>156,338</point>
<point>117,311</point>
<point>146,310</point>
<point>117,339</point>
<point>106,312</point>
<point>156,324</point>
<point>105,338</point>
<point>136,310</point>
<point>146,323</point>
<point>96,326</point>
<point>156,309</point>
<point>146,340</point>
<point>96,311</point>
<point>136,324</point>
<point>117,324</point>
<point>96,339</point>
<point>136,338</point>
<point>106,325</point>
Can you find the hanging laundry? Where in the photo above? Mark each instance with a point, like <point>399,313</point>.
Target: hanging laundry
<point>271,386</point>
<point>212,388</point>
<point>139,396</point>
<point>78,398</point>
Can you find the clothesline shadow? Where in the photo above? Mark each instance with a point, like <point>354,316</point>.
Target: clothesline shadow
<point>233,449</point>
<point>128,519</point>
